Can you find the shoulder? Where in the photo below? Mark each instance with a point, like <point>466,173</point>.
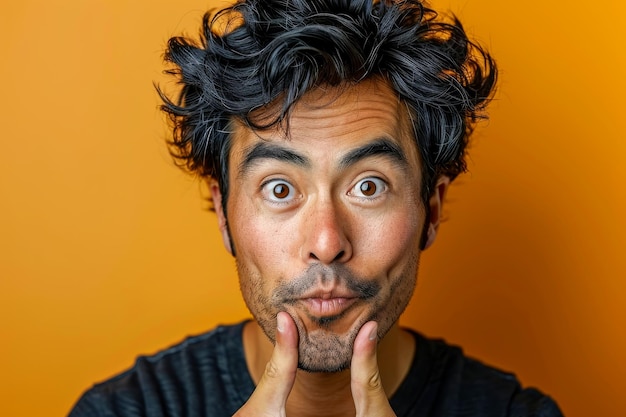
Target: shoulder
<point>533,403</point>
<point>492,386</point>
<point>467,386</point>
<point>186,376</point>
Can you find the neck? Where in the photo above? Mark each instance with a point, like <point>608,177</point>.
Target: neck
<point>395,355</point>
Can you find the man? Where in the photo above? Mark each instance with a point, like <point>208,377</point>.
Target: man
<point>328,132</point>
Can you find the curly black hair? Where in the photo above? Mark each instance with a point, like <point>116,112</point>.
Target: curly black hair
<point>259,53</point>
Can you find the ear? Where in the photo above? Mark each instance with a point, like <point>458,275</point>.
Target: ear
<point>216,196</point>
<point>436,206</point>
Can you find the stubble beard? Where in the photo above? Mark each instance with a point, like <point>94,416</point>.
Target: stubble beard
<point>323,350</point>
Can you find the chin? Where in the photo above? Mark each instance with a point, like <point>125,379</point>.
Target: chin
<point>326,351</point>
<point>323,367</point>
<point>325,361</point>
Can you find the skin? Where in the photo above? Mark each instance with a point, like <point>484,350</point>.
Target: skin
<point>326,221</point>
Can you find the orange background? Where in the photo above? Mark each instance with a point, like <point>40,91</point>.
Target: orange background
<point>106,251</point>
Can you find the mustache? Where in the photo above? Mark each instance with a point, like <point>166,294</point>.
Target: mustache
<point>318,274</point>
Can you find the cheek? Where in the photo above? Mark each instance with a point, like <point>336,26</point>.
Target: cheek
<point>260,243</point>
<point>394,242</point>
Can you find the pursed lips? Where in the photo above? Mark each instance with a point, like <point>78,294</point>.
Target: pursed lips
<point>325,293</point>
<point>326,303</point>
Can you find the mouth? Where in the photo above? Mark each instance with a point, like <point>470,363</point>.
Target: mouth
<point>325,296</point>
<point>327,307</point>
<point>326,304</point>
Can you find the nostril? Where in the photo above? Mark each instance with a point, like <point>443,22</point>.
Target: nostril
<point>339,255</point>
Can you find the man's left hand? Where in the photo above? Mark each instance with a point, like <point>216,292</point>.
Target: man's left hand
<point>369,396</point>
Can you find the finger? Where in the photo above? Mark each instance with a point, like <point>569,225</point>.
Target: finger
<point>270,396</point>
<point>368,393</point>
<point>280,371</point>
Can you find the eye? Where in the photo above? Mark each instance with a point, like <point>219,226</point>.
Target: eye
<point>370,187</point>
<point>278,191</point>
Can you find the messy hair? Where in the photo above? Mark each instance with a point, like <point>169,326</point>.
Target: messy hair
<point>259,53</point>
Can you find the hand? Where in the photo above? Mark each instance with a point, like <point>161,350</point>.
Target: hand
<point>270,396</point>
<point>369,396</point>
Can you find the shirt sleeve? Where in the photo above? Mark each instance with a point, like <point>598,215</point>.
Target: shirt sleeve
<point>532,403</point>
<point>90,404</point>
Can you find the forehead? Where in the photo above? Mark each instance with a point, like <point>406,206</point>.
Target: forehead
<point>335,118</point>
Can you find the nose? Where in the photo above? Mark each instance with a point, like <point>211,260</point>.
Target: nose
<point>326,234</point>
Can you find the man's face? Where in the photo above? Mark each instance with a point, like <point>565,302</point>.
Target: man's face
<point>327,222</point>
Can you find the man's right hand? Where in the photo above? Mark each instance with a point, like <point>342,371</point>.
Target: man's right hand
<point>270,396</point>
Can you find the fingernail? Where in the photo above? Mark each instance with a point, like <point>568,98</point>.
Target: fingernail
<point>374,332</point>
<point>280,323</point>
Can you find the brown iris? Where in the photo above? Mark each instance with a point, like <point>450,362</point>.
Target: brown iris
<point>368,188</point>
<point>281,191</point>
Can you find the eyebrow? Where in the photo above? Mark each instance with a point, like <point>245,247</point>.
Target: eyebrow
<point>379,147</point>
<point>264,150</point>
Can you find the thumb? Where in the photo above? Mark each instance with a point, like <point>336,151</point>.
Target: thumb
<point>270,396</point>
<point>368,393</point>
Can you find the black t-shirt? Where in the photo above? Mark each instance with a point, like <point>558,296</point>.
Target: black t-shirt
<point>207,376</point>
